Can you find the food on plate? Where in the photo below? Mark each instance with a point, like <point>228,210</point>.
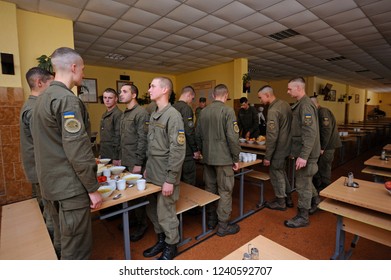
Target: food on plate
<point>102,179</point>
<point>388,185</point>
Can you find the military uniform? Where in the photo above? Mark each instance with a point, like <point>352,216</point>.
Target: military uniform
<point>217,136</point>
<point>110,134</point>
<point>134,129</point>
<point>28,158</point>
<point>65,166</point>
<point>248,121</point>
<point>278,143</point>
<point>166,153</point>
<point>197,114</point>
<point>306,145</point>
<point>189,165</point>
<point>329,141</point>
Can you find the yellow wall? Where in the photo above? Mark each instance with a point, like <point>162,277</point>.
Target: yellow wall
<point>9,43</point>
<point>222,74</point>
<point>108,77</point>
<point>38,35</point>
<point>356,110</point>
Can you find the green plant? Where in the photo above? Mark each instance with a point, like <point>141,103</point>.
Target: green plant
<point>246,78</point>
<point>45,62</point>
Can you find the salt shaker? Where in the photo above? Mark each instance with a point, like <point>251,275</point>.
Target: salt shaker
<point>350,179</point>
<point>383,155</point>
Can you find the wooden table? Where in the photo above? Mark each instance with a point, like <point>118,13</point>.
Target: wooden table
<point>241,173</point>
<point>253,148</point>
<point>387,148</point>
<point>268,250</point>
<point>364,211</point>
<point>127,195</point>
<point>375,161</point>
<point>24,235</point>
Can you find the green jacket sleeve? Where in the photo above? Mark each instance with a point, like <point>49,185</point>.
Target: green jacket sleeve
<point>272,132</point>
<point>188,122</point>
<point>232,133</point>
<point>309,129</point>
<point>117,137</point>
<point>142,144</point>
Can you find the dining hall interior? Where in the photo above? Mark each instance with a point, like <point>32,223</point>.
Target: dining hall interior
<point>341,48</point>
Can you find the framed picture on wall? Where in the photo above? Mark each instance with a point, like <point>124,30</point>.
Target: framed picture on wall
<point>333,95</point>
<point>121,83</point>
<point>356,98</point>
<point>88,91</point>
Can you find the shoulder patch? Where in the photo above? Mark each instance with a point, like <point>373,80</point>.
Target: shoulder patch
<point>307,119</point>
<point>72,125</point>
<point>190,122</point>
<point>271,125</point>
<point>236,127</point>
<point>69,115</point>
<point>326,121</point>
<point>181,139</point>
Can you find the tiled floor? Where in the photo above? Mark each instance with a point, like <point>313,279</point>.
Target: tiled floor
<point>314,242</point>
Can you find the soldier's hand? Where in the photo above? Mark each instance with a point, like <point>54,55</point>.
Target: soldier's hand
<point>136,169</point>
<point>196,155</point>
<point>167,189</point>
<point>300,163</point>
<point>266,162</point>
<point>95,200</point>
<point>235,166</point>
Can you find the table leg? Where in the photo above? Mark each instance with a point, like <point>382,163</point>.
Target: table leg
<point>125,222</point>
<point>204,231</point>
<point>339,240</point>
<point>241,197</point>
<point>181,241</point>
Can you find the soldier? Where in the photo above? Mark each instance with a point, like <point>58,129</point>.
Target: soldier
<point>65,162</point>
<point>305,148</point>
<point>38,80</point>
<point>248,120</point>
<point>110,126</point>
<point>201,105</point>
<point>134,129</point>
<point>166,153</point>
<point>217,135</point>
<point>329,141</point>
<point>192,152</point>
<point>278,143</point>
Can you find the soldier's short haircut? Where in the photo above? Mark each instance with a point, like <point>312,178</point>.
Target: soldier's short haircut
<point>63,57</point>
<point>133,88</point>
<point>266,88</point>
<point>220,90</point>
<point>297,80</point>
<point>243,100</point>
<point>111,90</point>
<point>37,73</point>
<point>165,82</point>
<point>188,89</point>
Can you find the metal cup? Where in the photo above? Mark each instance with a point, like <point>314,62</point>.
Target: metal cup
<point>253,252</point>
<point>246,256</point>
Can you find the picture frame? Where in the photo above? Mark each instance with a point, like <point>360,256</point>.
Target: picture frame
<point>121,83</point>
<point>356,98</point>
<point>88,92</point>
<point>332,95</point>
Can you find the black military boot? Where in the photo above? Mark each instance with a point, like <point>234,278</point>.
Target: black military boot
<point>212,220</point>
<point>139,232</point>
<point>157,248</point>
<point>300,220</point>
<point>277,204</point>
<point>169,252</point>
<point>314,204</point>
<point>289,201</point>
<point>226,229</point>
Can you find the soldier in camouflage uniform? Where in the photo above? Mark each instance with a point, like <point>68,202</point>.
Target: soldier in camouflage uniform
<point>110,127</point>
<point>305,149</point>
<point>217,136</point>
<point>166,153</point>
<point>329,141</point>
<point>248,120</point>
<point>133,153</point>
<point>38,80</point>
<point>278,143</point>
<point>66,166</point>
<point>192,151</point>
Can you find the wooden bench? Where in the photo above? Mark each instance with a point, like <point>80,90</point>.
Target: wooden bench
<point>262,177</point>
<point>24,235</point>
<point>380,175</point>
<point>182,205</point>
<point>201,198</point>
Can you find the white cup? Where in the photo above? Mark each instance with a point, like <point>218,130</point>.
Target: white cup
<point>107,173</point>
<point>121,184</point>
<point>254,157</point>
<point>141,184</point>
<point>112,183</point>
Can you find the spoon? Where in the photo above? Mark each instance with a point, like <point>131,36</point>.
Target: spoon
<point>117,196</point>
<point>130,185</point>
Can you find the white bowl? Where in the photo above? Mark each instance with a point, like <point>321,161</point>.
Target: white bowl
<point>116,170</point>
<point>250,142</point>
<point>261,142</point>
<point>106,190</point>
<point>132,178</point>
<point>242,140</point>
<point>104,160</point>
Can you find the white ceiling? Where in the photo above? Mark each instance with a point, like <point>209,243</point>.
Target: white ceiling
<point>174,36</point>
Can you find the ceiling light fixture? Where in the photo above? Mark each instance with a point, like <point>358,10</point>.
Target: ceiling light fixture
<point>341,57</point>
<point>278,36</point>
<point>115,56</point>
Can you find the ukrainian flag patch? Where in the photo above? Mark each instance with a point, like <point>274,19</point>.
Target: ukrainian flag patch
<point>69,115</point>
